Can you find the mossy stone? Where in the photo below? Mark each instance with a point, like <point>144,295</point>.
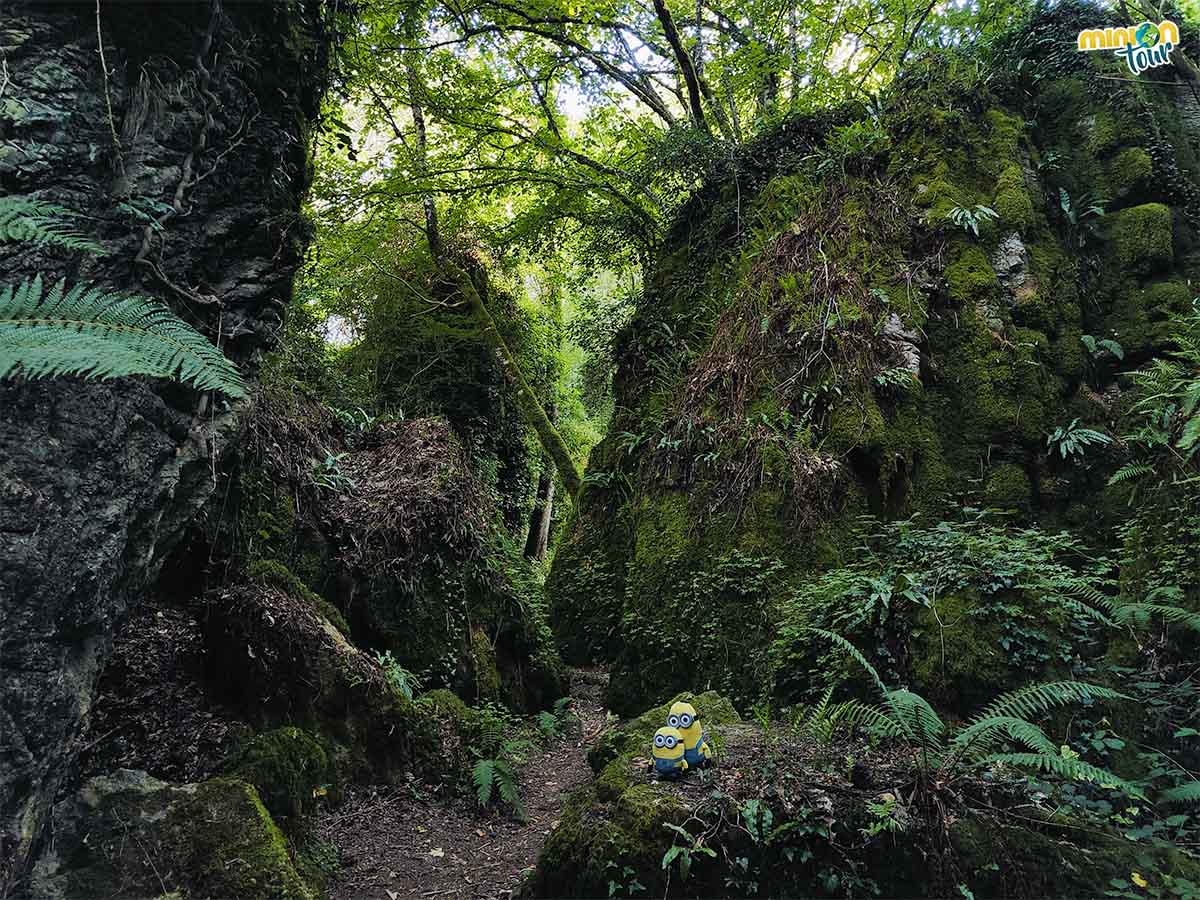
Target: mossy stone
<point>1141,318</point>
<point>1013,203</point>
<point>1142,237</point>
<point>289,768</point>
<point>970,277</point>
<point>129,835</point>
<point>274,572</point>
<point>483,661</point>
<point>957,659</point>
<point>1129,171</point>
<point>1008,487</point>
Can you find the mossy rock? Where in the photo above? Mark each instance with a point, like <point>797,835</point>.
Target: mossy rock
<point>129,835</point>
<point>586,582</point>
<point>274,572</point>
<point>483,662</point>
<point>1058,859</point>
<point>1141,317</point>
<point>970,277</point>
<point>635,735</point>
<point>964,651</point>
<point>289,768</point>
<point>1013,203</point>
<point>1142,238</point>
<point>277,660</point>
<point>1007,487</point>
<point>1130,171</point>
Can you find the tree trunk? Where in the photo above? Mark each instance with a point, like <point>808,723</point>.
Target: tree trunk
<point>539,518</point>
<point>531,408</point>
<point>551,441</point>
<point>686,67</point>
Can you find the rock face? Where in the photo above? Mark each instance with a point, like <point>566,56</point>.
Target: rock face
<point>164,150</point>
<point>897,339</point>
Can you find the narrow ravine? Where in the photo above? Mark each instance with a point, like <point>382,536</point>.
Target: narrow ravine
<point>393,843</point>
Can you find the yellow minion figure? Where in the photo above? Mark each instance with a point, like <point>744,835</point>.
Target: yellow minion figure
<point>669,761</point>
<point>696,750</point>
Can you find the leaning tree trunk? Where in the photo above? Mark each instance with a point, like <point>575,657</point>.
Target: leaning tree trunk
<point>527,400</point>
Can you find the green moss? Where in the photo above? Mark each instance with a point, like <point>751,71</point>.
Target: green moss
<point>970,277</point>
<point>275,573</point>
<point>1012,202</point>
<point>1140,318</point>
<point>1060,860</point>
<point>1007,487</point>
<point>1129,171</point>
<point>289,768</point>
<point>635,735</point>
<point>144,839</point>
<point>1142,237</point>
<point>618,820</point>
<point>1110,129</point>
<point>483,661</point>
<point>855,422</point>
<point>1004,134</point>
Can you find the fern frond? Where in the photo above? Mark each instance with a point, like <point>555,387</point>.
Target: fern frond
<point>983,736</point>
<point>1130,472</point>
<point>854,654</point>
<point>1035,699</point>
<point>35,222</point>
<point>484,775</point>
<point>94,333</point>
<point>917,717</point>
<point>1140,613</point>
<point>1185,793</point>
<point>872,719</point>
<point>1064,768</point>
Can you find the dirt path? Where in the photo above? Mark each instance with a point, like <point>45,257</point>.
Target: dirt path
<point>393,846</point>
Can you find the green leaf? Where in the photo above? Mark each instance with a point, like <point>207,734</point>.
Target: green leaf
<point>93,333</point>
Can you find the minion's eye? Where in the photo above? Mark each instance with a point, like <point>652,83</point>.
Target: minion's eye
<point>670,742</point>
<point>673,721</point>
<point>659,740</point>
<point>685,720</point>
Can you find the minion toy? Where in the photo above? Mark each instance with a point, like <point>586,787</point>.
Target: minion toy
<point>669,761</point>
<point>696,750</point>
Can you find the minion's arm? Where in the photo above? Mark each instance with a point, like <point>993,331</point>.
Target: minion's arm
<point>684,761</point>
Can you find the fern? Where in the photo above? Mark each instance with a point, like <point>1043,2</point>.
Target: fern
<point>922,725</point>
<point>907,716</point>
<point>1039,698</point>
<point>1130,472</point>
<point>985,735</point>
<point>94,333</point>
<point>35,222</point>
<point>1065,768</point>
<point>1185,793</point>
<point>498,777</point>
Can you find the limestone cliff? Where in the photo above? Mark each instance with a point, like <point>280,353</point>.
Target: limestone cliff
<point>179,132</point>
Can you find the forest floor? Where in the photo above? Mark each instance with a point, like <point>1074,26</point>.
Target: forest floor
<point>393,845</point>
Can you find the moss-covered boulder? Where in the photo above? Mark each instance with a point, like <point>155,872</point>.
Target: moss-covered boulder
<point>281,662</point>
<point>873,343</point>
<point>789,814</point>
<point>129,835</point>
<point>289,768</point>
<point>1142,238</point>
<point>619,820</point>
<point>433,571</point>
<point>274,572</point>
